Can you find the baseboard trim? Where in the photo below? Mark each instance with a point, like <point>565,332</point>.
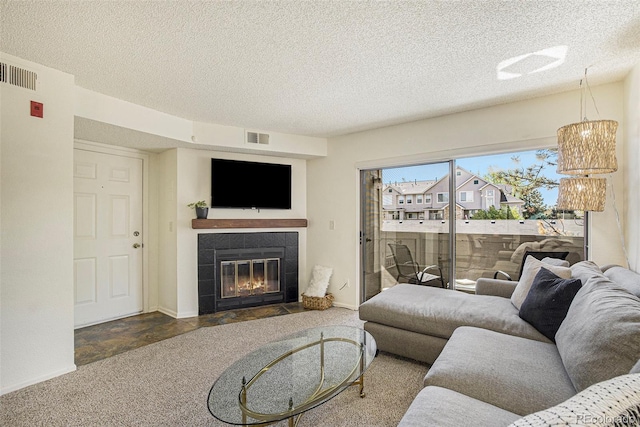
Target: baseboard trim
<point>177,315</point>
<point>41,378</point>
<point>342,305</point>
<point>187,314</point>
<point>168,312</point>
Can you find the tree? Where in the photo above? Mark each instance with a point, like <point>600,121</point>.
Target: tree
<point>493,213</point>
<point>534,206</point>
<point>524,183</point>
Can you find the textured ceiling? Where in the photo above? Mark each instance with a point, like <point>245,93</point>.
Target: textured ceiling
<point>322,68</point>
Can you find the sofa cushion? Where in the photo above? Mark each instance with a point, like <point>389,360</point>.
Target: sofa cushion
<point>423,347</point>
<point>516,374</point>
<point>437,406</point>
<point>613,402</point>
<point>548,301</point>
<point>625,278</point>
<point>495,287</point>
<point>600,337</point>
<point>529,271</point>
<point>438,312</point>
<point>584,270</point>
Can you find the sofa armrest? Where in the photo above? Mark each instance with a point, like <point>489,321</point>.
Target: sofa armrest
<point>496,287</point>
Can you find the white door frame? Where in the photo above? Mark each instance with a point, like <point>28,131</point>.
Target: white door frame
<point>136,154</point>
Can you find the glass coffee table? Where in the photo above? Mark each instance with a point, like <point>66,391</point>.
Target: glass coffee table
<point>287,377</point>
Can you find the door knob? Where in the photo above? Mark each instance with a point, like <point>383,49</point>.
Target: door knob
<point>136,245</point>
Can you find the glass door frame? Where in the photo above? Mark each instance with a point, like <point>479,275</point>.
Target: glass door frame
<point>364,238</point>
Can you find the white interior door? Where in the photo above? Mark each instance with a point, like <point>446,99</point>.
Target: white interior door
<point>107,236</point>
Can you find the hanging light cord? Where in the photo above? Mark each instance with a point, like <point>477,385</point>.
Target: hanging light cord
<point>582,102</point>
<point>592,97</point>
<point>615,207</point>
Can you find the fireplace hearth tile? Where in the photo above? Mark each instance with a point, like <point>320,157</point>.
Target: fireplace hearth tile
<point>206,287</point>
<point>276,239</point>
<point>206,304</point>
<point>291,266</point>
<point>236,241</point>
<point>254,240</point>
<point>291,239</point>
<point>291,252</point>
<point>206,272</point>
<point>205,256</point>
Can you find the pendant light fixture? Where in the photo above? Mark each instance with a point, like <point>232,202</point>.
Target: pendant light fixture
<point>586,148</point>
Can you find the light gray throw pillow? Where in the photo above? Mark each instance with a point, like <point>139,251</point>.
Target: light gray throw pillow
<point>600,337</point>
<point>556,261</point>
<point>531,267</point>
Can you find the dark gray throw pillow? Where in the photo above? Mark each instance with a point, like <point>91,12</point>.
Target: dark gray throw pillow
<point>548,301</point>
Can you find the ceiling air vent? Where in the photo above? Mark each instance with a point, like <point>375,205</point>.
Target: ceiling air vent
<point>257,138</point>
<point>17,76</point>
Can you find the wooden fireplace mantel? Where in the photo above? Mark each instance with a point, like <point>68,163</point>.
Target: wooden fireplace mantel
<point>249,223</point>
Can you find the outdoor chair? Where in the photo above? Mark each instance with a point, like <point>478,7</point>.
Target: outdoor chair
<point>536,255</point>
<point>411,271</point>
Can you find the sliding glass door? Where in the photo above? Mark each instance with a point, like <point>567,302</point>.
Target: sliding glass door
<point>494,210</point>
<point>406,215</point>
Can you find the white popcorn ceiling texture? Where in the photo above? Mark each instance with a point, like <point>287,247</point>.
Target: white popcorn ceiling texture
<point>321,68</point>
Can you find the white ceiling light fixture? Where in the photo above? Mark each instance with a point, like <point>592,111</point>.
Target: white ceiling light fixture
<point>555,53</point>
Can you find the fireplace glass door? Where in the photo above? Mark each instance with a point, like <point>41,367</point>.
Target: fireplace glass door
<point>272,275</point>
<point>244,278</point>
<point>228,279</point>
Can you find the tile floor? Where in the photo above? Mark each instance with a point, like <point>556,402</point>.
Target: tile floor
<point>97,342</point>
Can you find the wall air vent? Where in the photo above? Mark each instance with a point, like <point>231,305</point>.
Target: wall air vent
<point>257,138</point>
<point>17,76</point>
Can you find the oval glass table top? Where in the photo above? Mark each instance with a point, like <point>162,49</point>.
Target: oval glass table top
<point>291,375</point>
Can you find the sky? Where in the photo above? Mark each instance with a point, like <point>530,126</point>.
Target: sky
<point>478,165</point>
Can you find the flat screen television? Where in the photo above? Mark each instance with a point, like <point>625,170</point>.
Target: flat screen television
<point>250,185</point>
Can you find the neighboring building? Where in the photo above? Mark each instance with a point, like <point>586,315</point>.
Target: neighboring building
<point>430,199</point>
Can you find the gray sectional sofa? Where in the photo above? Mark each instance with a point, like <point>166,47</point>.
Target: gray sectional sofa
<point>489,367</point>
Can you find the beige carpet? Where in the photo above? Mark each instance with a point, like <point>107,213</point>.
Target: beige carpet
<point>166,383</point>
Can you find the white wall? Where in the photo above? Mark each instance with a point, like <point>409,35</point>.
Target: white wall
<point>167,226</point>
<point>186,178</point>
<point>114,111</point>
<point>606,237</point>
<point>151,233</point>
<point>102,118</point>
<point>230,138</point>
<point>516,126</point>
<point>36,267</point>
<point>631,160</point>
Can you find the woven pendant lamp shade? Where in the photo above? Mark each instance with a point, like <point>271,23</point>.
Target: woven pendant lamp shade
<point>582,194</point>
<point>587,147</point>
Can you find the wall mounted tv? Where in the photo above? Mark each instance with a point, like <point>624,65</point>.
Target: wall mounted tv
<point>250,185</point>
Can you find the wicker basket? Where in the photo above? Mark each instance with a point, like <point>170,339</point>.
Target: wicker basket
<point>317,303</point>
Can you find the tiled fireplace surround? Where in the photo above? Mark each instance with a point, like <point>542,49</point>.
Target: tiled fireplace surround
<point>209,276</point>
